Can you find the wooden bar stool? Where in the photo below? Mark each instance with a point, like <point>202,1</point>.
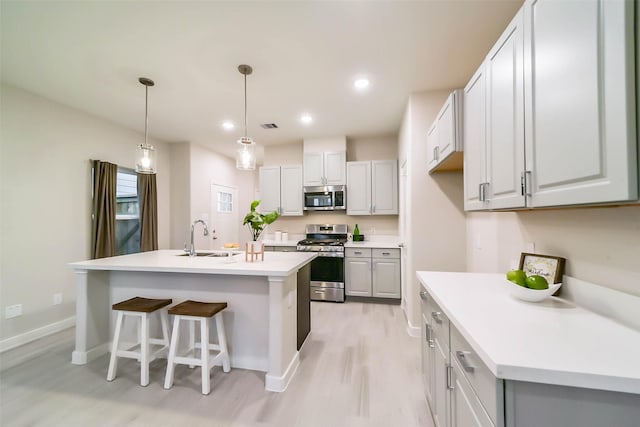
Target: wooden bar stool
<point>198,311</point>
<point>142,308</point>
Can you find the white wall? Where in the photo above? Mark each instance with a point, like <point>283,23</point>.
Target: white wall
<point>436,238</point>
<point>46,199</point>
<point>205,168</point>
<point>601,245</point>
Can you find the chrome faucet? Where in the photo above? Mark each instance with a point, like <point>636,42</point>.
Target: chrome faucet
<point>192,247</point>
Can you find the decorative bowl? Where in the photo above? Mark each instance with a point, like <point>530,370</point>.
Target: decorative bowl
<point>532,295</point>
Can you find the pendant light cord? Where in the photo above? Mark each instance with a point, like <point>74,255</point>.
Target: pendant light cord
<point>146,112</point>
<point>245,105</point>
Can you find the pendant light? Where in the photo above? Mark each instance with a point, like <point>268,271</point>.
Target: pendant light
<point>246,152</point>
<point>146,153</point>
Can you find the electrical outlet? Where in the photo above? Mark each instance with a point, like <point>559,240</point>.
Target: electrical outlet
<point>57,299</point>
<point>12,311</point>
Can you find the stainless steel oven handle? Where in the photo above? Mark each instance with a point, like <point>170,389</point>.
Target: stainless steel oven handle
<point>331,254</point>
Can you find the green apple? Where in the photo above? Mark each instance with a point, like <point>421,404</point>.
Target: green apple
<point>517,276</point>
<point>536,282</point>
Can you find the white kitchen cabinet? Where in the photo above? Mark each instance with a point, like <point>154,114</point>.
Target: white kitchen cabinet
<point>580,110</point>
<point>358,188</point>
<point>385,281</point>
<point>440,365</point>
<point>432,146</point>
<point>358,272</point>
<point>444,139</point>
<point>505,119</point>
<point>494,125</point>
<point>325,168</point>
<point>427,347</point>
<point>453,400</point>
<point>372,187</point>
<point>281,190</point>
<point>466,408</point>
<point>372,272</point>
<point>560,115</point>
<point>475,149</point>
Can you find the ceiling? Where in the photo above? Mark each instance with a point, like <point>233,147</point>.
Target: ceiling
<point>304,54</point>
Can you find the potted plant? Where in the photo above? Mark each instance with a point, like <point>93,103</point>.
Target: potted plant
<point>257,221</point>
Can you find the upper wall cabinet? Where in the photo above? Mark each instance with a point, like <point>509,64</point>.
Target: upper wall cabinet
<point>444,138</point>
<point>580,115</point>
<point>325,168</point>
<point>372,187</point>
<point>494,125</point>
<point>558,110</point>
<point>281,189</point>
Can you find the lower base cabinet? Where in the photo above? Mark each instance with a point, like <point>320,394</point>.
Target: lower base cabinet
<point>372,272</point>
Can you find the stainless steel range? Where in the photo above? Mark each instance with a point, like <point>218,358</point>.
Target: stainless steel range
<point>327,270</point>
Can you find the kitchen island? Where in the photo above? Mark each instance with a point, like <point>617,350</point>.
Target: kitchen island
<point>260,320</point>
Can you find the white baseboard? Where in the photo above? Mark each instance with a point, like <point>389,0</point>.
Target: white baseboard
<point>279,384</point>
<point>35,334</point>
<point>412,331</point>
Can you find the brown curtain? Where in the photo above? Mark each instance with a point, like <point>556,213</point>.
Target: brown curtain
<point>103,226</point>
<point>148,198</point>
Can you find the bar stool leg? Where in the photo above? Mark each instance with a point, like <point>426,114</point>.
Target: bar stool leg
<point>144,350</point>
<point>164,320</point>
<point>168,379</point>
<point>192,339</point>
<point>113,361</point>
<point>222,342</point>
<point>204,351</point>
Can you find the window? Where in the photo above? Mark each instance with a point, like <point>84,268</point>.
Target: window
<point>225,202</point>
<point>127,212</point>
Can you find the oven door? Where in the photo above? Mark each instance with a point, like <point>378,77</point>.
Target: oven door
<point>327,270</point>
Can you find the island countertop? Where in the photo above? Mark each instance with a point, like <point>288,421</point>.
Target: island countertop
<point>172,261</point>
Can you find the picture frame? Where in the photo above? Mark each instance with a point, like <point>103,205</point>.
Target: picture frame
<point>548,266</point>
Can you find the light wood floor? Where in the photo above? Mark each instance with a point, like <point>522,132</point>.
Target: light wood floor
<point>358,368</point>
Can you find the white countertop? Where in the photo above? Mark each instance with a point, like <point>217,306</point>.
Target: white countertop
<point>553,342</point>
<point>167,260</point>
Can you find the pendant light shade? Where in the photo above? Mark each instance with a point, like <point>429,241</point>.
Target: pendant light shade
<point>146,153</point>
<point>246,151</point>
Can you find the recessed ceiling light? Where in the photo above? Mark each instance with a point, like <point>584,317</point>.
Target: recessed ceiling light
<point>361,83</point>
<point>306,119</point>
<point>228,125</point>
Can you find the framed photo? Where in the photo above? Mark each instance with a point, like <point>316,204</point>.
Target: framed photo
<point>547,266</point>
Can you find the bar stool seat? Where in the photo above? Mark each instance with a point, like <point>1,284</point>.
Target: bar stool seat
<point>141,308</point>
<point>195,311</point>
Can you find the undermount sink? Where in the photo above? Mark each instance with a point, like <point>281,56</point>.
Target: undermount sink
<point>219,254</point>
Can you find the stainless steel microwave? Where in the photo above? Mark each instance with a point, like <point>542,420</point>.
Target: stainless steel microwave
<point>325,198</point>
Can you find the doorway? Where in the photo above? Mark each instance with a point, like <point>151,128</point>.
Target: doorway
<point>225,222</point>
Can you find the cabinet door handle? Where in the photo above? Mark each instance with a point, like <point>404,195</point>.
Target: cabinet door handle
<point>424,295</point>
<point>436,316</point>
<point>386,253</point>
<point>525,183</point>
<point>429,333</point>
<point>462,357</point>
<point>481,192</point>
<point>449,375</point>
<point>358,253</point>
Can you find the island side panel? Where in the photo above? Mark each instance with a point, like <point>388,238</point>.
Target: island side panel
<point>92,316</point>
<point>246,318</point>
<point>283,353</point>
